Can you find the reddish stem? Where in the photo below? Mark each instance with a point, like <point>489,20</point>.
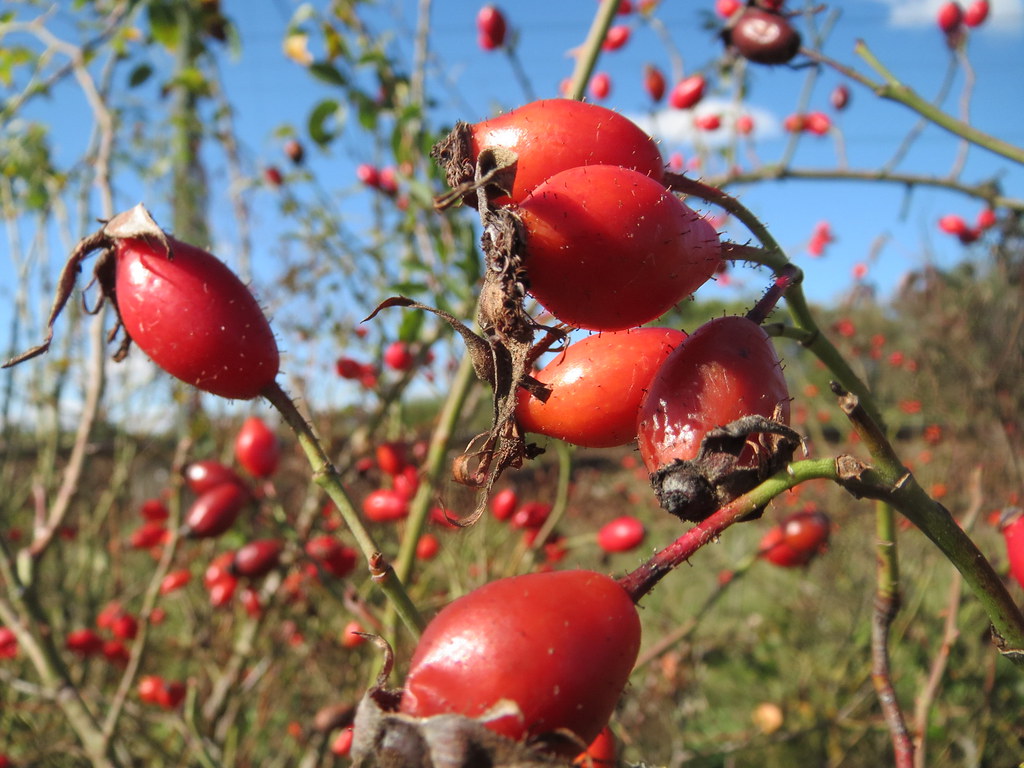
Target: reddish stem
<point>787,276</point>
<point>642,580</point>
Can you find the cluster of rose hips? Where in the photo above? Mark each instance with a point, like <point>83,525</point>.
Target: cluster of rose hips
<point>952,17</point>
<point>956,225</point>
<point>588,226</point>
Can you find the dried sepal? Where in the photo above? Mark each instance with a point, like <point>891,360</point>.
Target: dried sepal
<point>504,352</point>
<point>692,490</point>
<point>133,223</point>
<point>383,737</point>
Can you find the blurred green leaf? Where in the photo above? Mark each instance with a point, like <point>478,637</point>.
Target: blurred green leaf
<point>163,26</point>
<point>139,75</point>
<point>326,114</point>
<point>328,73</point>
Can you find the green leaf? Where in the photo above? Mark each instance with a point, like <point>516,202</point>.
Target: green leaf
<point>163,24</point>
<point>367,111</point>
<point>139,75</point>
<point>326,121</point>
<point>192,80</point>
<point>328,73</point>
<point>409,329</point>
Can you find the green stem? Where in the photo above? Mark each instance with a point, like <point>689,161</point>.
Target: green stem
<point>891,482</point>
<point>893,90</point>
<point>887,604</point>
<point>772,256</point>
<point>326,475</point>
<point>988,191</point>
<point>641,581</point>
<point>434,466</point>
<point>586,58</point>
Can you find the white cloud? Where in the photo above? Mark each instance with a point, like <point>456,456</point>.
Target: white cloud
<point>1005,15</point>
<point>676,126</point>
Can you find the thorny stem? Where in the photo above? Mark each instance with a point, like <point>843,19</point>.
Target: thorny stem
<point>887,603</point>
<point>327,477</point>
<point>684,631</point>
<point>893,90</point>
<point>950,632</point>
<point>587,55</point>
<point>642,580</point>
<point>772,256</point>
<point>788,276</point>
<point>987,191</point>
<point>888,480</point>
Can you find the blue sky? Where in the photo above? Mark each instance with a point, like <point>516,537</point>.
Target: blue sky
<point>885,226</point>
<point>270,91</point>
<point>470,84</point>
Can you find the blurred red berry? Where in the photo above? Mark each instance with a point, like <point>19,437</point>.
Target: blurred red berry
<point>215,511</point>
<point>341,744</point>
<point>222,590</point>
<point>273,176</point>
<point>817,123</point>
<point>600,86</point>
<point>1012,527</point>
<point>708,122</point>
<point>174,581</point>
<point>532,515</point>
<point>840,97</point>
<point>797,540</point>
<point>406,482</point>
<point>295,151</point>
<point>654,82</point>
<point>84,642</point>
<point>986,219</point>
<point>149,687</point>
<point>201,476</point>
<point>687,92</point>
<point>953,224</point>
<point>976,13</point>
<point>504,503</point>
<point>348,368</point>
<point>491,28</point>
<point>385,506</point>
<point>257,448</point>
<point>398,356</point>
<point>794,123</point>
<point>351,635</point>
<point>427,547</point>
<point>617,37</point>
<point>726,8</point>
<point>154,510</point>
<point>170,695</point>
<point>256,559</point>
<point>332,555</point>
<point>124,627</point>
<point>116,652</point>
<point>391,457</point>
<point>8,643</point>
<point>621,535</point>
<point>744,125</point>
<point>149,535</point>
<point>368,175</point>
<point>950,17</point>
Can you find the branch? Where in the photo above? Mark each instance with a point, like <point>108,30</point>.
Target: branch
<point>893,483</point>
<point>893,90</point>
<point>887,604</point>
